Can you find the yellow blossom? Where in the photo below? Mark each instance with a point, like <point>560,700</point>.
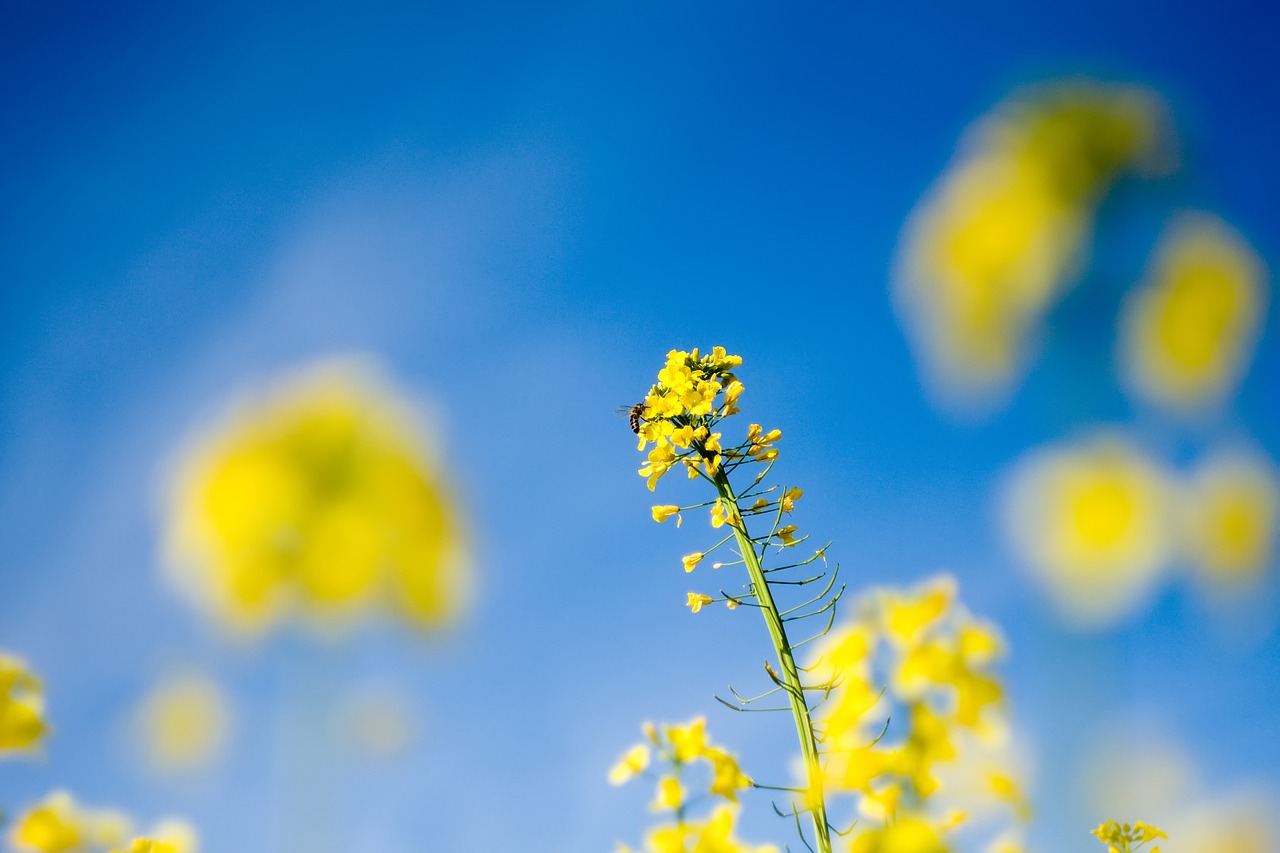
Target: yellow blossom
<point>633,761</point>
<point>316,497</point>
<point>1188,333</point>
<point>908,616</point>
<point>727,777</point>
<point>688,741</point>
<point>1231,511</point>
<point>171,836</point>
<point>58,824</point>
<point>906,834</point>
<point>1093,522</point>
<point>669,794</point>
<point>787,534</point>
<point>697,601</point>
<point>662,513</point>
<point>22,724</point>
<point>789,499</point>
<point>999,236</point>
<point>691,560</point>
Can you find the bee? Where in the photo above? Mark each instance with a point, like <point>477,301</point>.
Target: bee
<point>635,415</point>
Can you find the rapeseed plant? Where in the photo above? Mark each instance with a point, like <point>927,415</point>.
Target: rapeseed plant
<point>917,655</point>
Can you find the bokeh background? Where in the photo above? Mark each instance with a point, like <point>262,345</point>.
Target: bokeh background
<point>514,211</point>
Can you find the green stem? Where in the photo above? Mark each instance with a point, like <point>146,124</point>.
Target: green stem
<point>789,674</point>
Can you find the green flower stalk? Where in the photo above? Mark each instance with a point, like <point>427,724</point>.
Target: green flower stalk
<point>679,417</point>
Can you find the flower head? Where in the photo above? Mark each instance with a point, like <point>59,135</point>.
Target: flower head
<point>22,723</point>
<point>316,497</point>
<point>1093,521</point>
<point>1187,335</point>
<point>681,408</point>
<point>1000,235</point>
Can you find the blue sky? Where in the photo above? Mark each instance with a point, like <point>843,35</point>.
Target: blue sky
<point>518,211</point>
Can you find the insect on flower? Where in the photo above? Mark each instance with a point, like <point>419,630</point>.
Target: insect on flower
<point>634,415</point>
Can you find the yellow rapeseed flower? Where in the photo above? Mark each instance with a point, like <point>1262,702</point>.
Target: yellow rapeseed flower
<point>1093,522</point>
<point>696,601</point>
<point>632,762</point>
<point>1231,511</point>
<point>183,723</point>
<point>1188,333</point>
<point>662,513</point>
<point>999,236</point>
<point>58,824</point>
<point>316,497</point>
<point>22,723</point>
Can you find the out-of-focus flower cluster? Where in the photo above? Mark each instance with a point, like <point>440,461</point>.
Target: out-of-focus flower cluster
<point>22,722</point>
<point>990,249</point>
<point>688,762</point>
<point>1187,334</point>
<point>1100,523</point>
<point>1002,232</point>
<point>58,824</point>
<point>913,724</point>
<point>317,497</point>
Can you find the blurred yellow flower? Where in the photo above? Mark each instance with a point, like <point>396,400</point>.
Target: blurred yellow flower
<point>59,824</point>
<point>22,724</point>
<point>905,834</point>
<point>1093,522</point>
<point>183,723</point>
<point>171,836</point>
<point>918,658</point>
<point>633,762</point>
<point>1000,235</point>
<point>1231,507</point>
<point>1186,337</point>
<point>316,497</point>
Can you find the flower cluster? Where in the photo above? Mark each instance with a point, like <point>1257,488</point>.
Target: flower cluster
<point>913,723</point>
<point>1123,838</point>
<point>690,762</point>
<point>22,723</point>
<point>1188,333</point>
<point>999,237</point>
<point>58,824</point>
<point>1099,523</point>
<point>692,394</point>
<point>317,498</point>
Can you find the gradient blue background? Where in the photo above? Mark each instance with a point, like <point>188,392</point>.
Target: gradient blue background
<point>519,208</point>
